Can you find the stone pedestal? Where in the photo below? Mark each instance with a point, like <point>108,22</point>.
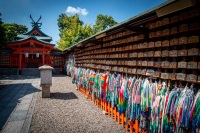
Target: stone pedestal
<point>46,80</point>
<point>45,91</point>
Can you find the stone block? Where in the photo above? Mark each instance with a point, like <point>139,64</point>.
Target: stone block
<point>45,91</point>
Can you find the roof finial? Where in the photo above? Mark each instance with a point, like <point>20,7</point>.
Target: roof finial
<point>36,23</point>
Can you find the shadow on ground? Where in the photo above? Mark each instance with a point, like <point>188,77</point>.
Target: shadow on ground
<point>63,96</point>
<point>11,94</point>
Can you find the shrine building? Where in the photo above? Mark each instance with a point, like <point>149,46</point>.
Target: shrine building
<point>31,50</point>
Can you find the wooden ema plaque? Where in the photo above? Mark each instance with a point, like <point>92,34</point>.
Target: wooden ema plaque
<point>180,76</point>
<point>182,64</point>
<point>192,65</point>
<point>191,78</point>
<point>164,75</point>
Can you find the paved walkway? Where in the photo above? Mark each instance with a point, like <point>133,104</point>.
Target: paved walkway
<point>17,99</point>
<point>67,111</point>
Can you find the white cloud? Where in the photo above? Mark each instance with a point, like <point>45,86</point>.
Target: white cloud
<point>77,10</point>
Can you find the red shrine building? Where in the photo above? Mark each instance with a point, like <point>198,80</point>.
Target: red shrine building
<point>31,50</point>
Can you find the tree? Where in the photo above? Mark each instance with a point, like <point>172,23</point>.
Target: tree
<point>8,32</point>
<point>103,22</point>
<point>72,30</point>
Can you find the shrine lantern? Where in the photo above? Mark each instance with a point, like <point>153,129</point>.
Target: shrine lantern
<point>26,55</point>
<point>37,55</point>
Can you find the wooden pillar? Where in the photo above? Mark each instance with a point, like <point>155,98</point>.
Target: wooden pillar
<point>42,56</point>
<point>20,62</point>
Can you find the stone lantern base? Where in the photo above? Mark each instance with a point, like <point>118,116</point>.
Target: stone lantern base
<point>45,91</point>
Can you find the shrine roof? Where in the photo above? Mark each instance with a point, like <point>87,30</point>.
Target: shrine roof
<point>29,38</point>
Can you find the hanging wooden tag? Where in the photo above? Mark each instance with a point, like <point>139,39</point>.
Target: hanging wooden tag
<point>150,72</point>
<point>165,21</point>
<point>133,54</point>
<point>158,44</point>
<point>134,63</point>
<point>182,64</point>
<point>158,23</point>
<point>125,62</point>
<point>140,46</point>
<point>144,63</point>
<point>165,64</point>
<point>192,65</point>
<point>165,53</point>
<point>140,54</point>
<point>157,64</point>
<point>157,54</point>
<point>135,46</point>
<point>173,30</point>
<point>130,47</point>
<point>129,70</point>
<point>165,43</point>
<point>191,78</point>
<point>183,40</point>
<point>158,33</point>
<point>141,36</point>
<point>174,41</point>
<point>164,75</point>
<point>156,74</point>
<point>173,65</point>
<point>165,32</point>
<point>173,53</point>
<point>150,54</point>
<point>193,39</point>
<point>139,71</point>
<point>182,52</point>
<point>151,45</point>
<point>151,25</point>
<point>129,63</point>
<point>107,68</point>
<point>139,63</point>
<point>145,54</point>
<point>180,76</point>
<point>143,71</point>
<point>151,34</point>
<point>183,27</point>
<point>145,45</point>
<point>134,70</point>
<point>172,76</point>
<point>174,19</point>
<point>125,70</point>
<point>121,69</point>
<point>193,51</point>
<point>135,38</point>
<point>126,55</point>
<point>150,63</point>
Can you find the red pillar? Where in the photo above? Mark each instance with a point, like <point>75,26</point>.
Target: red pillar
<point>20,62</point>
<point>43,57</point>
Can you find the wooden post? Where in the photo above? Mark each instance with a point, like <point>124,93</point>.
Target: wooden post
<point>115,113</point>
<point>136,126</point>
<point>122,118</point>
<point>131,127</point>
<point>20,62</point>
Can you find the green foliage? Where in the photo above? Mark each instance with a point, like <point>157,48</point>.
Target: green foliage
<point>103,22</point>
<point>8,32</point>
<point>72,29</point>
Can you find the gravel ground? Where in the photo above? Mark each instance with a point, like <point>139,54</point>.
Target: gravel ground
<point>68,111</point>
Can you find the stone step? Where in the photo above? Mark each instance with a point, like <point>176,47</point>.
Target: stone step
<point>30,71</point>
<point>8,71</point>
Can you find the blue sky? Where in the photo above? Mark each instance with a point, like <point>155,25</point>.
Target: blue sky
<point>18,11</point>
